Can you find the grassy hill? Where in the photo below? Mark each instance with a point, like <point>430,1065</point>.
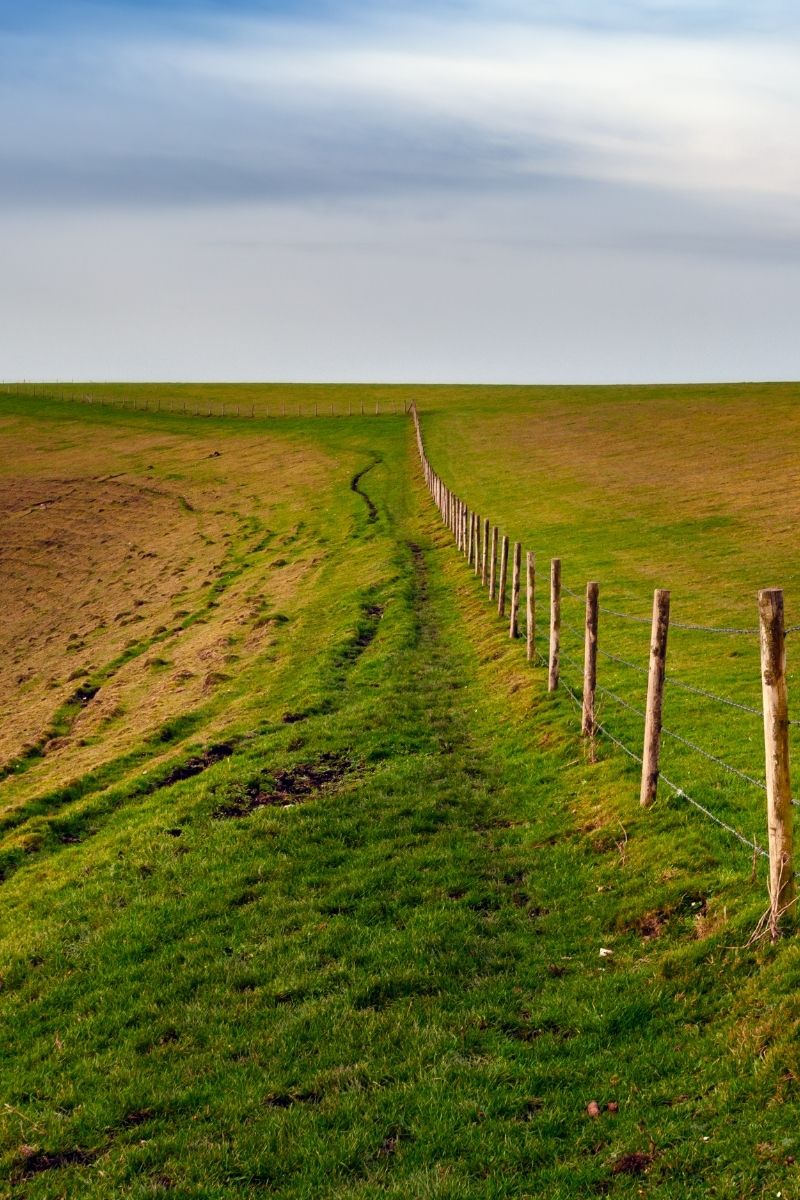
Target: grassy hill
<point>305,875</point>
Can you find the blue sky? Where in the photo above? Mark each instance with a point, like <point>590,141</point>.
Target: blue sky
<point>507,191</point>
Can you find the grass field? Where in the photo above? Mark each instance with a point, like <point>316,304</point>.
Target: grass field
<point>306,877</point>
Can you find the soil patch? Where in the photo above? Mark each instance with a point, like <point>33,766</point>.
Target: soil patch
<point>35,1162</point>
<point>284,788</point>
<point>372,511</point>
<point>196,765</point>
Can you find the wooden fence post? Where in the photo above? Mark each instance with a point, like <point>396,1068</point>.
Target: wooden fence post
<point>776,755</point>
<point>470,538</point>
<point>501,590</point>
<point>555,624</point>
<point>485,555</point>
<point>655,697</point>
<point>513,626</point>
<point>530,614</point>
<point>477,556</point>
<point>493,564</point>
<point>590,660</point>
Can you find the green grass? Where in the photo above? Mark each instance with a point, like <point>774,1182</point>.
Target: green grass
<point>392,986</point>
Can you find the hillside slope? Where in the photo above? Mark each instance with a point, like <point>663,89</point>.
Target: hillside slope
<point>332,927</point>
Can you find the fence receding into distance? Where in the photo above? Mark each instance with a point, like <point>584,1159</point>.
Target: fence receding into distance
<point>487,550</point>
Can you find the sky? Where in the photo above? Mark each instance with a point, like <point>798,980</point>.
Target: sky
<point>509,191</point>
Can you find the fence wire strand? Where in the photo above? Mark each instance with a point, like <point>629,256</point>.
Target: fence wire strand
<point>696,691</point>
<point>712,817</point>
<point>679,792</point>
<point>720,762</point>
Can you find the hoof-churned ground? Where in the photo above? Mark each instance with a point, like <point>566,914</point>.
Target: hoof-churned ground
<point>330,925</point>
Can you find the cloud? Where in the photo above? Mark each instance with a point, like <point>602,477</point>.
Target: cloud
<point>462,189</point>
<point>243,106</point>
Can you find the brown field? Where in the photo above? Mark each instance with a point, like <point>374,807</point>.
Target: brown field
<point>113,579</point>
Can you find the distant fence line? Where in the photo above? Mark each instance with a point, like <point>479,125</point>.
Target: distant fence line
<point>487,553</point>
<point>219,408</point>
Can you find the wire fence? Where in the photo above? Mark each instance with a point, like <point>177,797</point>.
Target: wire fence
<point>721,764</point>
<point>256,407</point>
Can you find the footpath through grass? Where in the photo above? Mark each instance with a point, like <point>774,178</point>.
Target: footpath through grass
<point>357,952</point>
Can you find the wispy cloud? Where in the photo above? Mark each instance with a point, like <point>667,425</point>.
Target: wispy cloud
<point>567,139</point>
<point>282,105</point>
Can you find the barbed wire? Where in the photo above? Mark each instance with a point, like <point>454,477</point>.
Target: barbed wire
<point>623,661</point>
<point>618,700</point>
<point>734,630</point>
<point>713,758</point>
<point>754,846</point>
<point>678,791</point>
<point>613,612</point>
<point>748,630</point>
<point>688,687</point>
<point>602,728</point>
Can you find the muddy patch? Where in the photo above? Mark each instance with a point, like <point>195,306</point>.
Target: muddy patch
<point>636,1163</point>
<point>284,788</point>
<point>372,511</point>
<point>197,764</point>
<point>33,1162</point>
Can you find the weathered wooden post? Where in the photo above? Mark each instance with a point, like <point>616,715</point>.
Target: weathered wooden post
<point>651,754</point>
<point>485,554</point>
<point>477,555</point>
<point>513,627</point>
<point>501,590</point>
<point>530,627</point>
<point>555,624</point>
<point>776,757</point>
<point>590,661</point>
<point>493,564</point>
<point>470,538</point>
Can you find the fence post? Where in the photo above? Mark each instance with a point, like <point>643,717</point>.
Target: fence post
<point>590,661</point>
<point>485,554</point>
<point>493,564</point>
<point>470,538</point>
<point>655,697</point>
<point>555,624</point>
<point>477,562</point>
<point>530,590</point>
<point>513,627</point>
<point>776,755</point>
<point>501,591</point>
